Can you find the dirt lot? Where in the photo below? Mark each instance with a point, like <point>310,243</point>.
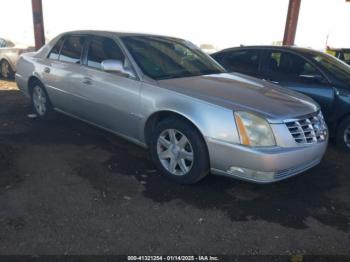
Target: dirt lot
<point>69,188</point>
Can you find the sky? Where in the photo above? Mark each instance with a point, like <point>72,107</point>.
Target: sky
<point>221,23</point>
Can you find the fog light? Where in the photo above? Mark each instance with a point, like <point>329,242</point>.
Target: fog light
<point>250,174</point>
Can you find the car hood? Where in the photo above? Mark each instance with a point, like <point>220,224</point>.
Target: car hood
<point>241,92</point>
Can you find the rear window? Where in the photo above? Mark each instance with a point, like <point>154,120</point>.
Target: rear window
<point>72,49</point>
<point>55,51</point>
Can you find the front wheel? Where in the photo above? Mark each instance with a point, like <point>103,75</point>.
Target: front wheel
<point>343,135</point>
<point>179,151</point>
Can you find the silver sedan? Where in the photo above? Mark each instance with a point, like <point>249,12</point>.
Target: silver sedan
<point>9,54</point>
<point>165,94</point>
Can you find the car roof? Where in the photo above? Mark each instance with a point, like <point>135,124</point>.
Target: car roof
<point>267,47</point>
<point>339,49</point>
<point>116,33</point>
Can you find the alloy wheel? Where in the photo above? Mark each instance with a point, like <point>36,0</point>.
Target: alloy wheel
<point>175,152</point>
<point>39,100</point>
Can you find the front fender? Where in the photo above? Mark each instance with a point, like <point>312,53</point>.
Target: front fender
<point>214,122</point>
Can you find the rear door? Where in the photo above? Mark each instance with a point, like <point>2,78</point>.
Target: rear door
<point>108,99</point>
<point>293,71</point>
<point>63,72</point>
<point>244,61</point>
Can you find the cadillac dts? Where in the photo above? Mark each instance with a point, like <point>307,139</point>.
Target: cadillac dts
<point>166,95</point>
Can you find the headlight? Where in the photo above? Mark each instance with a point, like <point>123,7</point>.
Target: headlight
<point>254,130</point>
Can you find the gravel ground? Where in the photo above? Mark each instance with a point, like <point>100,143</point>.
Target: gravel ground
<point>69,188</point>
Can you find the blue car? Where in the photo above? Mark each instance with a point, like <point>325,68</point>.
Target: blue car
<point>340,53</point>
<point>321,76</point>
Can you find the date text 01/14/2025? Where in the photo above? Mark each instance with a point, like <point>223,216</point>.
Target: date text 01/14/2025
<point>173,258</point>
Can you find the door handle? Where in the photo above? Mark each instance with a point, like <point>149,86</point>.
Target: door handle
<point>275,82</point>
<point>47,70</point>
<point>87,81</point>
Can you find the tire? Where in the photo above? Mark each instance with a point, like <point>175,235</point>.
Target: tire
<point>6,70</point>
<point>343,135</point>
<point>179,151</point>
<point>40,100</point>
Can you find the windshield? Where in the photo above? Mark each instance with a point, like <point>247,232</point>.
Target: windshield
<point>338,68</point>
<point>165,58</point>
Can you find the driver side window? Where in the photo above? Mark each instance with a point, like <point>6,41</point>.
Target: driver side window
<point>102,48</point>
<point>289,67</point>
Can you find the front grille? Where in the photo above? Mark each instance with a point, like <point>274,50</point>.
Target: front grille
<point>308,130</point>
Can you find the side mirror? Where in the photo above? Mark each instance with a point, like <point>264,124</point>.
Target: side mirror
<point>116,66</point>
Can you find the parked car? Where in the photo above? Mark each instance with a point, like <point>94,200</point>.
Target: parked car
<point>208,48</point>
<point>316,74</point>
<point>340,53</point>
<point>166,95</point>
<point>9,54</point>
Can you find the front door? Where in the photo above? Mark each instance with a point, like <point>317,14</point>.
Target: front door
<point>295,72</point>
<point>109,99</point>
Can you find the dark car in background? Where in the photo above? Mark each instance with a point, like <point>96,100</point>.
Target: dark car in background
<point>318,75</point>
<point>340,53</point>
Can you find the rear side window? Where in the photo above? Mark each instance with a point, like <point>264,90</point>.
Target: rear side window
<point>55,51</point>
<point>243,61</point>
<point>103,48</point>
<point>72,49</point>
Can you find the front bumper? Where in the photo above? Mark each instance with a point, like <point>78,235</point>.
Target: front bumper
<point>263,165</point>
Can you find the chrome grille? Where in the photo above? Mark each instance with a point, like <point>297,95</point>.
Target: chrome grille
<point>308,130</point>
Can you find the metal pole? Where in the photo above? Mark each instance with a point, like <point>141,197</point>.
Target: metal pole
<point>292,22</point>
<point>38,22</point>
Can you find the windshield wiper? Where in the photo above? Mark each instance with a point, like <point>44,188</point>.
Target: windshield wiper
<point>170,76</point>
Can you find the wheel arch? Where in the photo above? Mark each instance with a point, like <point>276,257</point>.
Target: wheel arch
<point>158,116</point>
<point>35,79</point>
<point>2,59</point>
<point>5,59</point>
<point>341,120</point>
<point>31,81</point>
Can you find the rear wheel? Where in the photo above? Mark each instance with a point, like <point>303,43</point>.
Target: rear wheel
<point>179,151</point>
<point>343,135</point>
<point>40,100</point>
<point>6,70</point>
